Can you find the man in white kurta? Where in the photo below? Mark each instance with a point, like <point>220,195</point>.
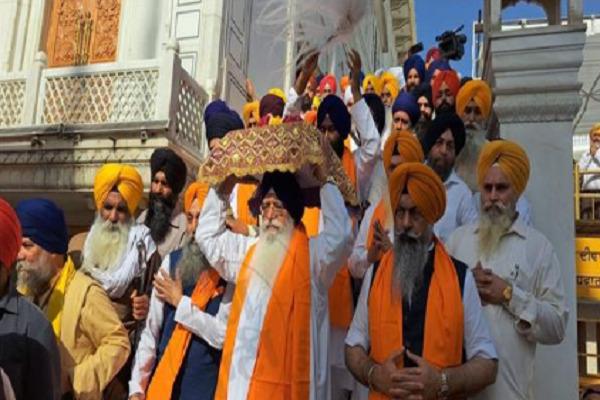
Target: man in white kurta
<point>516,271</point>
<point>226,251</point>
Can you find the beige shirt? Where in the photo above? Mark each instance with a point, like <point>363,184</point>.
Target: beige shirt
<point>526,259</point>
<point>174,239</point>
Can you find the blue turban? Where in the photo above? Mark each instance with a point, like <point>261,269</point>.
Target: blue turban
<point>338,113</point>
<point>406,102</point>
<point>222,123</point>
<point>215,107</point>
<point>441,64</point>
<point>415,61</point>
<point>44,223</point>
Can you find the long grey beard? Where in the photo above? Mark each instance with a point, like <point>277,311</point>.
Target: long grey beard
<point>410,258</point>
<point>35,277</point>
<point>192,262</point>
<point>493,225</point>
<point>107,244</point>
<point>466,162</point>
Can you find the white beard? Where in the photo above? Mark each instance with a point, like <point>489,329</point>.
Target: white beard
<point>107,243</point>
<point>493,225</point>
<point>35,277</point>
<point>270,252</point>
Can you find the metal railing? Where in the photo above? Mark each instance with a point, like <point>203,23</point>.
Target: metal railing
<point>589,201</point>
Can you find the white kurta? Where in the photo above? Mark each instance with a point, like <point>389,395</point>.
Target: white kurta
<point>459,208</point>
<point>586,163</point>
<point>226,252</point>
<point>116,280</point>
<point>526,259</point>
<point>208,327</point>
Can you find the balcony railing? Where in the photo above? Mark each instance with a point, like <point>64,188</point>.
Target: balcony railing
<point>587,203</point>
<point>112,93</point>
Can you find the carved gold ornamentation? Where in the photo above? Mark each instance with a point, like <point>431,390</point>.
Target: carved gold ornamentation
<point>105,31</point>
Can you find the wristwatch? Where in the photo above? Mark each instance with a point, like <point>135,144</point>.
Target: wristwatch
<point>444,390</point>
<point>507,293</point>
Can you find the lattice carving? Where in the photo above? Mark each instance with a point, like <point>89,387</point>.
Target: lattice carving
<point>12,99</point>
<point>101,97</point>
<point>190,114</point>
<point>106,31</point>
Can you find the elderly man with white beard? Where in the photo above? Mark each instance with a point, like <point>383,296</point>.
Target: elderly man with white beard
<point>180,348</point>
<point>516,270</point>
<point>278,331</point>
<point>418,330</point>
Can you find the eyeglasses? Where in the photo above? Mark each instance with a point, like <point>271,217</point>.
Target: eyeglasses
<point>277,208</point>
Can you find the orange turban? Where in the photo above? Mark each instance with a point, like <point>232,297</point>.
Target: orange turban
<point>389,80</point>
<point>511,158</point>
<point>374,81</point>
<point>424,187</point>
<point>344,83</point>
<point>196,190</point>
<point>451,80</point>
<point>404,143</point>
<point>310,117</point>
<point>477,90</point>
<point>125,178</point>
<point>250,110</point>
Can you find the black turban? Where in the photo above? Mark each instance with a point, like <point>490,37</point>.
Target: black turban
<point>222,123</point>
<point>338,113</point>
<point>271,104</point>
<point>377,110</point>
<point>423,90</point>
<point>167,161</point>
<point>287,190</point>
<point>439,125</point>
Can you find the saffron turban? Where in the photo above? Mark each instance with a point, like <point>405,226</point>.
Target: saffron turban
<point>424,187</point>
<point>423,90</point>
<point>441,124</point>
<point>310,117</point>
<point>406,102</point>
<point>328,80</point>
<point>374,81</point>
<point>271,104</point>
<point>405,144</point>
<point>440,64</point>
<point>278,92</point>
<point>10,234</point>
<point>287,190</point>
<point>222,123</point>
<point>510,157</point>
<point>196,190</point>
<point>595,131</point>
<point>250,110</point>
<point>377,110</point>
<point>344,83</point>
<point>167,161</point>
<point>389,81</point>
<point>433,54</point>
<point>338,113</point>
<point>450,78</point>
<point>125,178</point>
<point>415,61</point>
<point>477,90</point>
<point>43,222</point>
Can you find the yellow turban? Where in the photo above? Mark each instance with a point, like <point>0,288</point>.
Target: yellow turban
<point>511,158</point>
<point>389,80</point>
<point>279,93</point>
<point>406,145</point>
<point>316,102</point>
<point>374,81</point>
<point>249,110</point>
<point>480,92</point>
<point>196,190</point>
<point>424,187</point>
<point>125,178</point>
<point>595,131</point>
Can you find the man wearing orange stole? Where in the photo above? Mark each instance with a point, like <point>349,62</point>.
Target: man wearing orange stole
<point>276,341</point>
<point>419,328</point>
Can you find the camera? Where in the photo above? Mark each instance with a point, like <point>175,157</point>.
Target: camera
<point>452,44</point>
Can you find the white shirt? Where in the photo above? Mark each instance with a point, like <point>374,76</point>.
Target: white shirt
<point>459,208</point>
<point>526,259</point>
<point>226,251</point>
<point>523,208</point>
<point>117,279</point>
<point>586,163</point>
<point>208,327</point>
<point>477,339</point>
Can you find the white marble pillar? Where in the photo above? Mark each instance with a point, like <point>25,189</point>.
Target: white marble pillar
<point>536,87</point>
<point>140,29</point>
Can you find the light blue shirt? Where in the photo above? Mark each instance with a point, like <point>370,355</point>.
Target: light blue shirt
<point>460,209</point>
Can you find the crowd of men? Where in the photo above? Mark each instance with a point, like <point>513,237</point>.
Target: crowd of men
<point>436,287</point>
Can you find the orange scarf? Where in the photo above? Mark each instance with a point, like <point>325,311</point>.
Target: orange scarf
<point>167,370</point>
<point>443,337</point>
<point>282,367</point>
<point>244,193</point>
